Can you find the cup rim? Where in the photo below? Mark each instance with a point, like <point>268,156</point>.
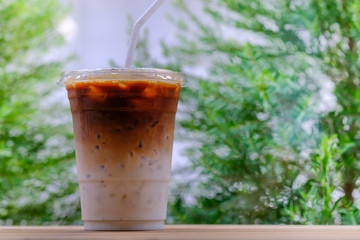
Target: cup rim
<point>122,74</point>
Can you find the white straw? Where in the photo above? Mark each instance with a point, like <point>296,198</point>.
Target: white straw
<point>136,28</point>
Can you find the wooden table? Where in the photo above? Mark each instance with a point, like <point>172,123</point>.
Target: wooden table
<point>182,232</point>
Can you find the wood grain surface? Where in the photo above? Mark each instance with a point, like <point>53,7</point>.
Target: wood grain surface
<point>175,232</point>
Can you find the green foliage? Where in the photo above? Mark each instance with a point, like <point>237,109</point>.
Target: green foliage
<point>37,180</point>
<point>320,196</point>
<point>270,111</point>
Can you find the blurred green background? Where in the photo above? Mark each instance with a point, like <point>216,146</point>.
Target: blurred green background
<point>272,120</point>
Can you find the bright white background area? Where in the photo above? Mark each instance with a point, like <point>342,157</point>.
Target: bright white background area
<point>97,31</point>
<point>100,29</point>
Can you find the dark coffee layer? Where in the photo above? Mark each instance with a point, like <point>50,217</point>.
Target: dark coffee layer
<point>132,96</point>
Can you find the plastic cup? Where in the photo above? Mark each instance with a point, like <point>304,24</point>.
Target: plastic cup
<point>123,131</point>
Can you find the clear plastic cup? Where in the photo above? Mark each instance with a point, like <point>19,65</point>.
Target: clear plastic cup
<point>123,130</point>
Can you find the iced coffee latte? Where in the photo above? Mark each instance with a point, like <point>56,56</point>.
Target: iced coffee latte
<point>123,127</point>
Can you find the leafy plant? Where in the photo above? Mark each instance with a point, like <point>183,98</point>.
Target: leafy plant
<point>37,177</point>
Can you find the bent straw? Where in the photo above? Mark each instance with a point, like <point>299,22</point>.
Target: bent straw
<point>136,28</point>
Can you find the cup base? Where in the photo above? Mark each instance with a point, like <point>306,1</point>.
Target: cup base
<point>123,225</point>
